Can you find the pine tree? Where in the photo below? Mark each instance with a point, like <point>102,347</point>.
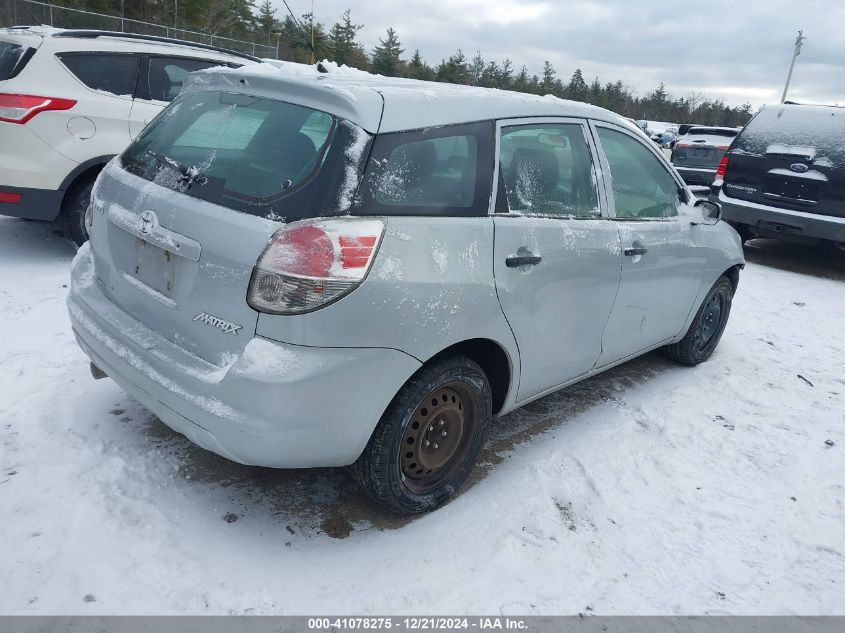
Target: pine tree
<point>506,75</point>
<point>476,70</point>
<point>548,83</point>
<point>490,75</point>
<point>418,69</point>
<point>577,88</point>
<point>295,40</point>
<point>266,19</point>
<point>454,70</point>
<point>596,94</point>
<point>386,58</point>
<point>522,82</point>
<point>343,42</point>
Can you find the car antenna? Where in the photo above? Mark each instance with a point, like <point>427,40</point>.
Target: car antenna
<point>309,40</point>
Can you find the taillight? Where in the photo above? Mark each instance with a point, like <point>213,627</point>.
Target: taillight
<point>21,108</point>
<point>722,169</point>
<point>682,146</point>
<point>309,264</point>
<point>10,198</point>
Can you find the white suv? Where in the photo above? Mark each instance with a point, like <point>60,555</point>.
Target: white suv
<point>71,100</point>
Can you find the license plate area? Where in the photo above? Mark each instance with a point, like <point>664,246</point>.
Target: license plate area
<point>154,267</point>
<point>801,192</point>
<point>701,153</point>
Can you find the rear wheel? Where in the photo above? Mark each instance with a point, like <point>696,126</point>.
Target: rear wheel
<point>74,205</point>
<point>427,441</point>
<point>707,326</point>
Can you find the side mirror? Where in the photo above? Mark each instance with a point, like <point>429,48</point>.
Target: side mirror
<point>711,212</point>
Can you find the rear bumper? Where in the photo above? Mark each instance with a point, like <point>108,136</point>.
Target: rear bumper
<point>275,405</point>
<point>697,175</point>
<point>33,204</point>
<point>786,224</point>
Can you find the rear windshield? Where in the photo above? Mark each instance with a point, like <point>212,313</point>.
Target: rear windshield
<point>13,57</point>
<point>247,153</point>
<point>814,131</point>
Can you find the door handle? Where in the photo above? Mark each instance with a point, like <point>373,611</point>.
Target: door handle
<point>635,250</point>
<point>529,259</point>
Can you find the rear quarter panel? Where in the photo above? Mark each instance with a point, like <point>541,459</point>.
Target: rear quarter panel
<point>430,287</point>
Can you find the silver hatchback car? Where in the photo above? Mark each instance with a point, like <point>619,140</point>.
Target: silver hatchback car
<point>333,269</point>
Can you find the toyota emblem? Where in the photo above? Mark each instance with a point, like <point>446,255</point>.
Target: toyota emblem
<point>148,222</point>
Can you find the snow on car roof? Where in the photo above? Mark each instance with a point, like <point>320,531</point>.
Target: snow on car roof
<point>389,104</point>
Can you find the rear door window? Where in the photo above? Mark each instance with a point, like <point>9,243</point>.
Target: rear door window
<point>107,72</point>
<point>166,76</point>
<point>440,171</point>
<point>13,57</point>
<point>246,153</point>
<point>642,186</point>
<point>547,169</point>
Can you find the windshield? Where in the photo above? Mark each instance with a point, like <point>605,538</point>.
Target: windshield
<point>247,153</point>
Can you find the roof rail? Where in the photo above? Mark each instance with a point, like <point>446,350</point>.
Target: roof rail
<point>152,38</point>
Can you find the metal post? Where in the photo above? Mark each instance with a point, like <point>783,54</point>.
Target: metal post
<point>121,15</point>
<point>798,42</point>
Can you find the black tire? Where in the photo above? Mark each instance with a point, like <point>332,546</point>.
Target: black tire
<point>459,392</point>
<point>707,327</point>
<point>744,231</point>
<point>72,216</point>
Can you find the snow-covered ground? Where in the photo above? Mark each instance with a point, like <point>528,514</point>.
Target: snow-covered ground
<point>650,489</point>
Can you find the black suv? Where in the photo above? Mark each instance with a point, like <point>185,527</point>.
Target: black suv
<point>783,176</point>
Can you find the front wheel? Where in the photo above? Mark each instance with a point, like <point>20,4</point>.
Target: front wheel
<point>426,443</point>
<point>707,326</point>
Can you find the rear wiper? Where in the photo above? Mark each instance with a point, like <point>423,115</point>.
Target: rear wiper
<point>187,175</point>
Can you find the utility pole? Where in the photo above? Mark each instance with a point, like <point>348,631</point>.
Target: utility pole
<point>313,54</point>
<point>798,42</point>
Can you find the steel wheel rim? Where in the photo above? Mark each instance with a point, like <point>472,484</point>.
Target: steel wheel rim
<point>438,436</point>
<point>710,321</point>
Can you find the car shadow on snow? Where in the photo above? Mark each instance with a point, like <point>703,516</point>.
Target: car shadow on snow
<point>326,500</point>
<point>32,242</point>
<point>820,261</point>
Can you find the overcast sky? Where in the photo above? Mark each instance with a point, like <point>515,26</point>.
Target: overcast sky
<point>738,50</point>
